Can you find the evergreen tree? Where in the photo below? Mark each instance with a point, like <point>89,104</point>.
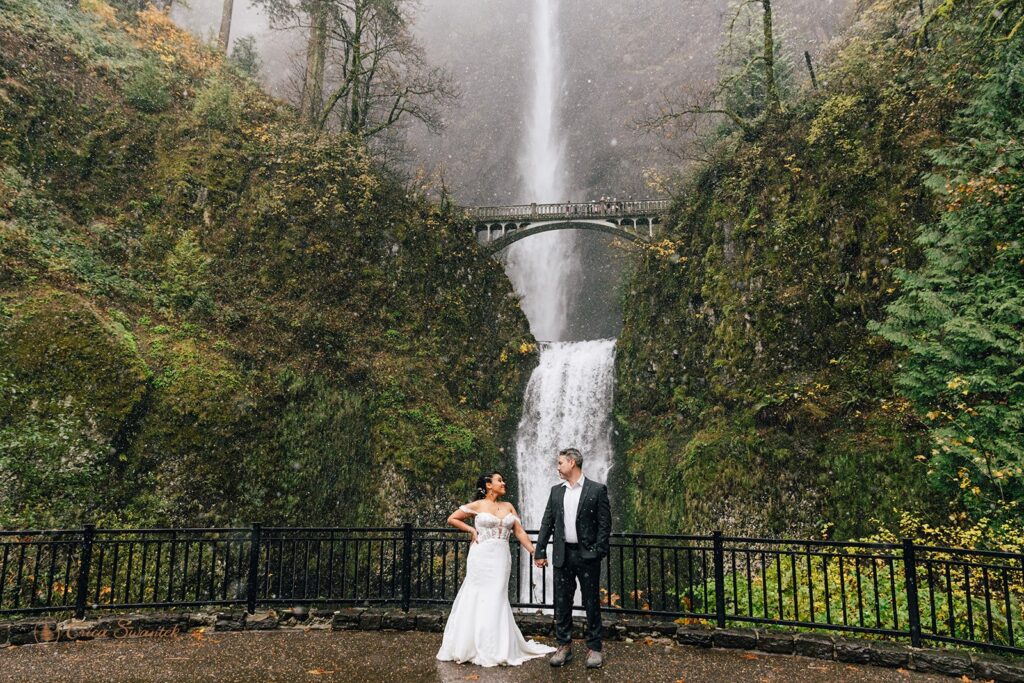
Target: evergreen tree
<point>960,315</point>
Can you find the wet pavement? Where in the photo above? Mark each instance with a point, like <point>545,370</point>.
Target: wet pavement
<point>383,657</point>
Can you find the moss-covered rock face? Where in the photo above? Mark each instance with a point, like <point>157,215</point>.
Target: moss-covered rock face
<point>69,358</point>
<point>214,316</point>
<point>752,397</point>
<point>72,380</point>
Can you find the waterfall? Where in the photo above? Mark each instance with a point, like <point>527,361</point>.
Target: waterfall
<point>541,267</point>
<point>568,399</point>
<point>567,403</point>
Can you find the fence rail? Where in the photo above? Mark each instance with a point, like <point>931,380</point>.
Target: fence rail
<point>923,593</point>
<point>569,210</point>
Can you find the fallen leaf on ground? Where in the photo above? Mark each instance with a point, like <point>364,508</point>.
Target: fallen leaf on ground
<point>472,677</point>
<point>319,671</point>
<point>749,655</point>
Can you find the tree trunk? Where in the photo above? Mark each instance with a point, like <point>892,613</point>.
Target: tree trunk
<point>225,24</point>
<point>355,110</point>
<point>772,103</point>
<point>313,81</point>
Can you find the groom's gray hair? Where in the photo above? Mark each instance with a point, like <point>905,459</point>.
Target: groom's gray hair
<point>573,453</point>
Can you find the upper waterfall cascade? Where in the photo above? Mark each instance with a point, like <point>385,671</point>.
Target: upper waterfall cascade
<point>568,399</point>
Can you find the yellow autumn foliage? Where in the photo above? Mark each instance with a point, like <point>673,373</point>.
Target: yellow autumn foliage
<point>101,9</point>
<point>155,30</point>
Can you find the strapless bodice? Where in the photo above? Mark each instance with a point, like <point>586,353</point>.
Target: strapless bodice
<point>492,528</point>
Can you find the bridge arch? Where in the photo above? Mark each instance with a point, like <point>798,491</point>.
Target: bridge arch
<point>512,232</point>
<point>496,227</point>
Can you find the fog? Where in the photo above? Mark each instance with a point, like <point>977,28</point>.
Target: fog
<point>620,57</point>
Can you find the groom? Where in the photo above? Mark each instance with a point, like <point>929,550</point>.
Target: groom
<point>580,516</point>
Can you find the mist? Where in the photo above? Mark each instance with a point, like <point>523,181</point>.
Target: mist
<point>620,57</point>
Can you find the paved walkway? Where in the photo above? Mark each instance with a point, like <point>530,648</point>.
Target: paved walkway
<point>384,657</point>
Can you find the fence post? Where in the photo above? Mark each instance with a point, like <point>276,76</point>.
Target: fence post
<point>406,566</point>
<point>88,534</point>
<point>913,605</point>
<point>255,536</point>
<point>719,552</point>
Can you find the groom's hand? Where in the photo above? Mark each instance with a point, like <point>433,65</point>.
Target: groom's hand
<point>540,563</point>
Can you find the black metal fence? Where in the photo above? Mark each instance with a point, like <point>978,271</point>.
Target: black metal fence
<point>923,593</point>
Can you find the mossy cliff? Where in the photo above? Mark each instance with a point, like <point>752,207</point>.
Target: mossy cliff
<point>209,314</point>
<point>752,396</point>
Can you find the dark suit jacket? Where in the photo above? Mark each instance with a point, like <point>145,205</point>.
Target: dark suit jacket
<point>593,523</point>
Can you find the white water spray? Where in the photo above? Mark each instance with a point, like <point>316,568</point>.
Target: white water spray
<point>541,267</point>
<point>568,399</point>
<point>568,403</point>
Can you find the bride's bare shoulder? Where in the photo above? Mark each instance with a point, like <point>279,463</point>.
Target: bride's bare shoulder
<point>471,507</point>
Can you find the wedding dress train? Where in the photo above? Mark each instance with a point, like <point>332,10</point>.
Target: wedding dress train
<point>481,628</point>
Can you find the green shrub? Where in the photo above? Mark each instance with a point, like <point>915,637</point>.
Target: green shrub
<point>184,285</point>
<point>216,104</point>
<point>147,90</point>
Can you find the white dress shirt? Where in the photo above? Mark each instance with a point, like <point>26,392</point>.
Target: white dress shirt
<point>570,504</point>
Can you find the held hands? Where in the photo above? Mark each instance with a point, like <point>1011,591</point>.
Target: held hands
<point>540,563</point>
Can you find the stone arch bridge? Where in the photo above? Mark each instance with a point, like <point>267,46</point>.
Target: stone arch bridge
<point>497,227</point>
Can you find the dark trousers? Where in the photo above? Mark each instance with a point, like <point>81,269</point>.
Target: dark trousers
<point>588,573</point>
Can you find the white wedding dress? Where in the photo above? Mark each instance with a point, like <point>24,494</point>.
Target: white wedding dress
<point>481,628</point>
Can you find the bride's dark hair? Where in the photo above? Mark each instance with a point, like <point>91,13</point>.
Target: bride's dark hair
<point>481,485</point>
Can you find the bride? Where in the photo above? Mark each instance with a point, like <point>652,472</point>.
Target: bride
<point>481,628</point>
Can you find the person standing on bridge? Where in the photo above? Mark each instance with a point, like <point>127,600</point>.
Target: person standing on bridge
<point>579,515</point>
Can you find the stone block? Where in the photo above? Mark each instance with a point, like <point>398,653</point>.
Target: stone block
<point>694,635</point>
<point>892,655</point>
<point>641,628</point>
<point>5,632</point>
<point>230,621</point>
<point>31,631</point>
<point>611,626</point>
<point>814,645</point>
<point>371,620</point>
<point>431,621</point>
<point>299,612</point>
<point>398,620</point>
<point>777,642</point>
<point>322,623</point>
<point>990,668</point>
<point>536,624</point>
<point>262,621</point>
<point>852,651</point>
<point>201,619</point>
<point>150,625</point>
<point>946,662</point>
<point>736,638</point>
<point>80,629</point>
<point>347,619</point>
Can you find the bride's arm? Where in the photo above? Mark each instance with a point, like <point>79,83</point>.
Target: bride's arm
<point>521,535</point>
<point>457,520</point>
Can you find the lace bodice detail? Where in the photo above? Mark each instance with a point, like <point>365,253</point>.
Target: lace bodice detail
<point>491,528</point>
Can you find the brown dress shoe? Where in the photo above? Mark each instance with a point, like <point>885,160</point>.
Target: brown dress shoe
<point>562,656</point>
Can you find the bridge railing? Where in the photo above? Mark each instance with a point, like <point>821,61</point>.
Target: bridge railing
<point>906,590</point>
<point>568,210</point>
